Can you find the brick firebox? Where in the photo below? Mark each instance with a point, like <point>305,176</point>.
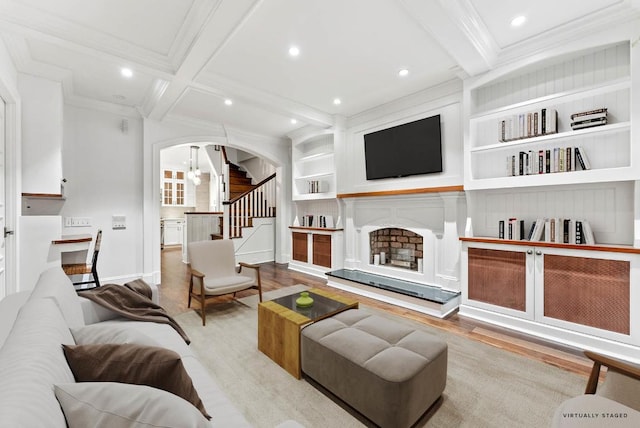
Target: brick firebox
<point>402,247</point>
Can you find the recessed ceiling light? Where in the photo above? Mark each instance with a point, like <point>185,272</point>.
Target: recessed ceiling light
<point>294,51</point>
<point>337,101</point>
<point>518,20</point>
<point>403,72</point>
<point>228,102</point>
<point>126,72</point>
<point>294,121</point>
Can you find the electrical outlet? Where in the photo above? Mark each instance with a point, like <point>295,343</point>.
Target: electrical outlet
<point>118,222</point>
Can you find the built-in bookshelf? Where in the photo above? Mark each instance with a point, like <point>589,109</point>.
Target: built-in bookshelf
<point>567,170</point>
<point>314,167</point>
<point>546,281</point>
<point>593,80</point>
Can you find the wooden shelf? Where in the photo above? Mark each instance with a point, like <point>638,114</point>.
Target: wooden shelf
<point>443,189</point>
<point>54,196</point>
<point>324,229</point>
<point>72,239</point>
<point>608,248</point>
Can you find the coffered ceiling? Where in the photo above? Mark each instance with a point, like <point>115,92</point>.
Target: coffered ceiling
<point>189,56</point>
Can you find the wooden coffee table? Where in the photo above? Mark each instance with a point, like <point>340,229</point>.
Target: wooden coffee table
<point>280,322</point>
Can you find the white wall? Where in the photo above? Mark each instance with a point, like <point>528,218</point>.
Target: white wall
<point>103,167</point>
<point>42,116</point>
<point>445,100</point>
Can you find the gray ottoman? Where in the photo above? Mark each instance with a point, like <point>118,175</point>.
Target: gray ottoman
<point>385,370</point>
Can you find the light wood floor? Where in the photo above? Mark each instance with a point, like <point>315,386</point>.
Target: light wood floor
<point>175,283</point>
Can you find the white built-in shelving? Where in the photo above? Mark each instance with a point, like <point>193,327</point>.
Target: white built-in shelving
<point>594,79</point>
<point>553,276</point>
<point>314,167</point>
<point>597,77</point>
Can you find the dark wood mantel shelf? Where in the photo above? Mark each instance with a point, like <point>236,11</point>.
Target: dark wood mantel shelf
<point>597,247</point>
<point>57,196</point>
<point>442,189</point>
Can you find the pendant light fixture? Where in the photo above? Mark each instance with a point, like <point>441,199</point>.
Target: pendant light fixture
<point>194,175</point>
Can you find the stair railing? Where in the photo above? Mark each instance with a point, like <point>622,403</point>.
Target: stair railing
<point>257,202</point>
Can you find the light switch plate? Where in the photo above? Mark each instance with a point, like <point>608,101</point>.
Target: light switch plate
<point>118,222</point>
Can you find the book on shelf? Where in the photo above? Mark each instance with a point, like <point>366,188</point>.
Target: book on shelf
<point>589,118</point>
<point>528,125</point>
<point>588,124</point>
<point>314,186</point>
<point>577,116</point>
<point>588,237</point>
<point>544,161</point>
<point>325,221</point>
<point>581,157</point>
<point>547,229</point>
<point>307,220</point>
<point>538,230</point>
<point>515,229</point>
<point>579,232</point>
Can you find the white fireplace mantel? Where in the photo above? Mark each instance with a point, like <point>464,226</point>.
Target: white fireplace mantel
<point>438,217</point>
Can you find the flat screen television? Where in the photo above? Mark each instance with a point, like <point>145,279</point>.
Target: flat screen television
<point>409,149</point>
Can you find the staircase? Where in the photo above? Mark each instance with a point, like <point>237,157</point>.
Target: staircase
<point>248,201</point>
<point>239,183</point>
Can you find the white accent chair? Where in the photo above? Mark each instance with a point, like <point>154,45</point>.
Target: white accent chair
<point>214,272</point>
<point>616,403</point>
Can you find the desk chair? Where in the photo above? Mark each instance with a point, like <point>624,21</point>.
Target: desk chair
<point>85,268</point>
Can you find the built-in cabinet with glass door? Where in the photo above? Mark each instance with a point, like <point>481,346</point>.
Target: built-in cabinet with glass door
<point>578,294</point>
<point>173,187</point>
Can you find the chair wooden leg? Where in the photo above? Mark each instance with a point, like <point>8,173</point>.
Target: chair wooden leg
<point>190,292</point>
<point>259,288</point>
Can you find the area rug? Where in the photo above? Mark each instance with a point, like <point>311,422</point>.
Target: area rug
<point>486,386</point>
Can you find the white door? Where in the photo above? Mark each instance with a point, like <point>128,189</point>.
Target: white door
<point>3,290</point>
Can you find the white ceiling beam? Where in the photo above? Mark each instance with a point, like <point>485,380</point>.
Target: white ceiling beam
<point>458,28</point>
<point>222,23</point>
<point>224,87</point>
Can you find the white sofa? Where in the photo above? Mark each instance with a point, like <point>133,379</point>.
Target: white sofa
<point>33,327</point>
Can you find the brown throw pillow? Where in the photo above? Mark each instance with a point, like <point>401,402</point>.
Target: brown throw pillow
<point>135,364</point>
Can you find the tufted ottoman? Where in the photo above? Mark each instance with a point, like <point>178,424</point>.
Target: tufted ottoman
<point>385,370</point>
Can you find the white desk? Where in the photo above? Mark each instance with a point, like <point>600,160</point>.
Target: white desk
<point>73,248</point>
